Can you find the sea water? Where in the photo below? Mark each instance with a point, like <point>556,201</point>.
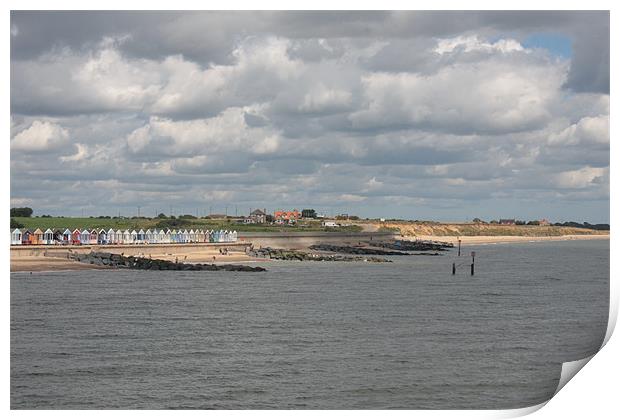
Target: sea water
<point>312,335</point>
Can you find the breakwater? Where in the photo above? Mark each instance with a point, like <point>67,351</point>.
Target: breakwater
<point>292,255</point>
<point>142,263</point>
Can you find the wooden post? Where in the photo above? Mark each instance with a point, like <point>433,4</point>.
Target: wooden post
<point>459,247</point>
<point>473,260</point>
<point>453,268</point>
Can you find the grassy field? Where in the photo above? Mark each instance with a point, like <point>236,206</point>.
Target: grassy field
<point>145,223</point>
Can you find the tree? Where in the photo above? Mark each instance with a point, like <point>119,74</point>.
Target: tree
<point>161,216</point>
<point>15,224</point>
<point>308,213</point>
<point>21,212</point>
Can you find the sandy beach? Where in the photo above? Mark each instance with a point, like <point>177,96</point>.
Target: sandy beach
<point>505,239</point>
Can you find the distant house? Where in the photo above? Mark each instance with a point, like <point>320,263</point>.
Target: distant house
<point>330,223</point>
<point>544,222</point>
<point>258,216</point>
<point>507,221</point>
<point>287,216</point>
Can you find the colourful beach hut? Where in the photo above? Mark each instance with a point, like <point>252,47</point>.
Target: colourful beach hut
<point>37,237</point>
<point>16,237</point>
<point>174,236</point>
<point>76,237</point>
<point>93,238</point>
<point>48,237</point>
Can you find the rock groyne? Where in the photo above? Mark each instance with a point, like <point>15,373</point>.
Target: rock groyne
<point>291,255</point>
<point>141,263</point>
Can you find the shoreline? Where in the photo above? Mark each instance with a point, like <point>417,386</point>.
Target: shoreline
<point>488,240</point>
<point>25,264</point>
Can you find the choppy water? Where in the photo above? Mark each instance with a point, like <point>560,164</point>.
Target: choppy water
<point>312,335</point>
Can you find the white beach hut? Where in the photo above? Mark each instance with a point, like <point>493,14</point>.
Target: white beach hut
<point>48,237</point>
<point>168,236</point>
<point>85,237</point>
<point>141,236</point>
<point>126,237</point>
<point>67,237</point>
<point>192,236</point>
<point>234,236</point>
<point>16,237</point>
<point>111,236</point>
<point>134,237</point>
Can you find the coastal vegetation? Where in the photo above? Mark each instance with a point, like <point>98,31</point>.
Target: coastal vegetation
<point>482,229</point>
<point>172,223</point>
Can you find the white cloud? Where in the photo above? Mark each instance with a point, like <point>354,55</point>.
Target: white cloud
<point>474,43</point>
<point>40,136</point>
<point>580,178</point>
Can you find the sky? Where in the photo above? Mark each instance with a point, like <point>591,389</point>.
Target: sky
<point>415,115</point>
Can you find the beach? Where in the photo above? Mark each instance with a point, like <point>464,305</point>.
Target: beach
<point>212,255</point>
<point>505,239</point>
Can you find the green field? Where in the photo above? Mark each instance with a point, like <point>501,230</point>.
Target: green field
<point>145,223</point>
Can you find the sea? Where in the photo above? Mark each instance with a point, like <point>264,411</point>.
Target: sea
<point>313,335</point>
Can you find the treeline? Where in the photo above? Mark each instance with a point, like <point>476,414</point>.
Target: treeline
<point>585,225</point>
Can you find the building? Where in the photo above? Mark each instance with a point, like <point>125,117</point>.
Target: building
<point>330,223</point>
<point>287,216</point>
<point>507,222</point>
<point>544,222</point>
<point>258,216</point>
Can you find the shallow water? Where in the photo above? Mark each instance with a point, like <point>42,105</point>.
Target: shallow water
<point>311,334</point>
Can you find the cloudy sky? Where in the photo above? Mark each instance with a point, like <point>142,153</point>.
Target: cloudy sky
<point>418,115</point>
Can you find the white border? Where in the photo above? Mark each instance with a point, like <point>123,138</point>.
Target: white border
<point>592,394</point>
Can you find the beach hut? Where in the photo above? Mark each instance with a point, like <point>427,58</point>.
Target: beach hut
<point>126,237</point>
<point>67,237</point>
<point>168,236</point>
<point>110,236</point>
<point>234,236</point>
<point>93,237</point>
<point>185,236</point>
<point>148,236</point>
<point>141,236</point>
<point>161,236</point>
<point>191,236</point>
<point>134,237</point>
<point>173,236</point>
<point>37,237</point>
<point>201,235</point>
<point>85,237</point>
<point>76,237</point>
<point>16,237</point>
<point>102,237</point>
<point>26,237</point>
<point>118,236</point>
<point>48,237</point>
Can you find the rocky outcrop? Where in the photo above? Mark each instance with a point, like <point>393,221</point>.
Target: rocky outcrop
<point>291,255</point>
<point>402,245</point>
<point>356,250</point>
<point>142,263</point>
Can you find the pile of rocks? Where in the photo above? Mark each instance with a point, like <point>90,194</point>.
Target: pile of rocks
<point>141,263</point>
<point>403,245</point>
<point>356,250</point>
<point>291,255</point>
